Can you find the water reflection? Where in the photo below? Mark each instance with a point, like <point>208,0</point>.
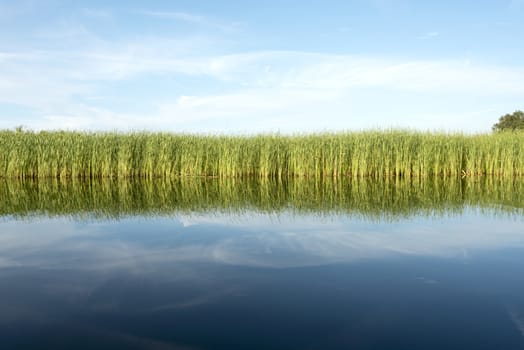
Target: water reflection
<point>261,281</point>
<point>200,264</point>
<point>387,199</point>
<point>250,239</point>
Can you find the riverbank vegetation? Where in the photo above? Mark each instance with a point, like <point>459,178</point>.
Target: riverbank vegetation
<point>511,122</point>
<point>375,154</point>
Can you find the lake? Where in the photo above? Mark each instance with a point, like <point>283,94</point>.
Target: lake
<point>238,264</point>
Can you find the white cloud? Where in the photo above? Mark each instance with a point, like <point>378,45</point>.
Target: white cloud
<point>385,5</point>
<point>430,35</point>
<point>182,16</point>
<point>192,18</point>
<point>65,29</point>
<point>344,72</point>
<point>273,90</point>
<point>247,102</point>
<point>97,13</point>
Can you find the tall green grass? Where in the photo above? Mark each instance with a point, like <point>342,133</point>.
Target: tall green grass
<point>374,154</point>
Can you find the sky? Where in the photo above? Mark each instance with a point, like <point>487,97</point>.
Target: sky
<point>247,67</point>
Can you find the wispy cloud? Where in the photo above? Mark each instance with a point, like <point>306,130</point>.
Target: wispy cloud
<point>430,35</point>
<point>516,318</point>
<point>97,13</point>
<point>181,16</point>
<point>387,5</point>
<point>191,82</point>
<point>192,18</point>
<point>64,29</point>
<point>261,87</point>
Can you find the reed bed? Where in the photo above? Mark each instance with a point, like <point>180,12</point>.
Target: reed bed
<point>375,154</point>
<point>391,199</point>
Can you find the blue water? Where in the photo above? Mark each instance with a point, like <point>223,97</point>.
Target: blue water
<point>263,281</point>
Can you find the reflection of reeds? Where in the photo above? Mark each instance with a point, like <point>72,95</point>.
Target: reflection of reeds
<point>376,154</point>
<point>389,198</point>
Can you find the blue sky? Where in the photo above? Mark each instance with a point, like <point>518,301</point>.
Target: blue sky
<point>260,66</point>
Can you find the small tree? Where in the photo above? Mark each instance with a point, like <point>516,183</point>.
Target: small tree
<point>513,121</point>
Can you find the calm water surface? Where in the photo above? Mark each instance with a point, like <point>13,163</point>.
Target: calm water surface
<point>446,273</point>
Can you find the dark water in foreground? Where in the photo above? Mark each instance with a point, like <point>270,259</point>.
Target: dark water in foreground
<point>436,267</point>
